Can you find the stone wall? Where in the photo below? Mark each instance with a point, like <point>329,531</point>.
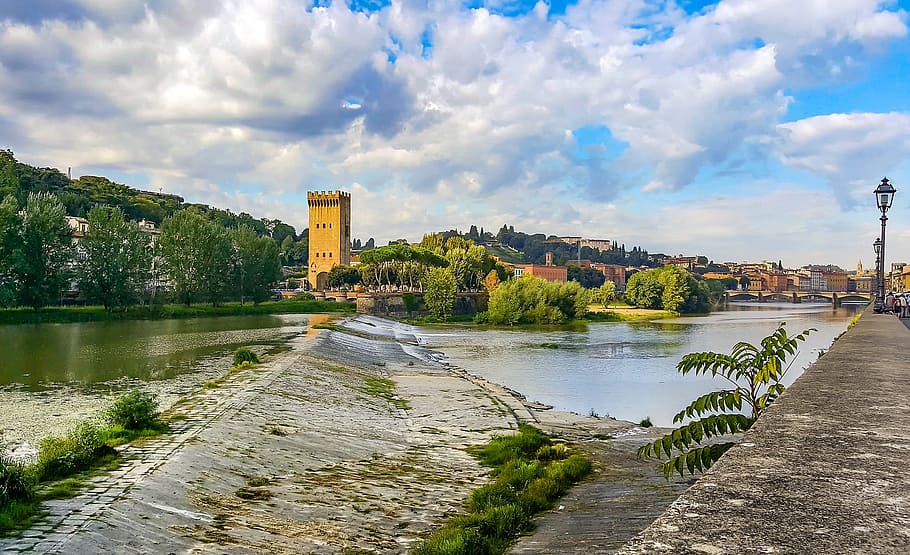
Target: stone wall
<point>393,304</point>
<point>824,471</point>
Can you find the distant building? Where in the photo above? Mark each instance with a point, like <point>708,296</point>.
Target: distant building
<point>837,281</point>
<point>603,245</point>
<point>686,262</point>
<point>549,272</point>
<point>614,273</point>
<point>330,234</point>
<point>78,225</point>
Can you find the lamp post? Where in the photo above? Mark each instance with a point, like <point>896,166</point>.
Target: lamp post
<point>877,245</point>
<point>884,197</point>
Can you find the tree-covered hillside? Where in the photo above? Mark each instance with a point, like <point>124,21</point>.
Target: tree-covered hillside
<point>79,196</point>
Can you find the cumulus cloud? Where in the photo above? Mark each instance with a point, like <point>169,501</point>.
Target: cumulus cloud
<point>433,107</point>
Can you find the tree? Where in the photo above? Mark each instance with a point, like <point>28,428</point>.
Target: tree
<point>9,179</point>
<point>197,254</point>
<point>491,282</point>
<point>440,294</point>
<point>343,275</point>
<point>670,288</point>
<point>257,264</point>
<point>116,259</point>
<point>9,246</point>
<point>589,278</point>
<point>755,373</point>
<point>42,261</point>
<point>605,294</point>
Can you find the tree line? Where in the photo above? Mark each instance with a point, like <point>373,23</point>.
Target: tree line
<point>117,265</point>
<point>79,196</point>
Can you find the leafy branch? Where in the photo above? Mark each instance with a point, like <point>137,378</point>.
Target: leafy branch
<point>755,373</point>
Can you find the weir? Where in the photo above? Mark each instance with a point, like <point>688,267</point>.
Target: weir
<point>823,471</point>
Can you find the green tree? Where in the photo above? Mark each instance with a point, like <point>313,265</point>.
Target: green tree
<point>605,294</point>
<point>116,259</point>
<point>9,247</point>
<point>440,293</point>
<point>42,261</point>
<point>257,264</point>
<point>9,179</point>
<point>197,254</point>
<point>754,373</point>
<point>342,275</point>
<point>643,290</point>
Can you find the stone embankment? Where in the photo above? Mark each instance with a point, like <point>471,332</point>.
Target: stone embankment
<point>823,472</point>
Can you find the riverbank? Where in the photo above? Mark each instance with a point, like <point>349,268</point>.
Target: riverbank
<point>12,316</point>
<point>306,454</point>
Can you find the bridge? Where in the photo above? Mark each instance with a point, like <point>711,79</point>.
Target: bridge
<point>824,471</point>
<point>834,297</point>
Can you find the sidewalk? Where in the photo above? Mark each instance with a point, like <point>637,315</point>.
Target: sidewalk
<point>823,472</point>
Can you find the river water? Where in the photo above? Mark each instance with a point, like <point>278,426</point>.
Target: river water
<point>628,370</point>
<point>53,376</point>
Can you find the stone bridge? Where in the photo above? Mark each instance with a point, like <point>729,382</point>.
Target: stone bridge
<point>824,471</point>
<point>834,297</point>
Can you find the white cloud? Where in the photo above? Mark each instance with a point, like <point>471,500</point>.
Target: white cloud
<point>206,97</point>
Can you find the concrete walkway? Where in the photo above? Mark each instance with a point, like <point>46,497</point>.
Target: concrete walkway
<point>824,471</point>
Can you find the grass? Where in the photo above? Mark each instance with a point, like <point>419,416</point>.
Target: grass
<point>64,463</point>
<point>633,316</point>
<point>58,314</point>
<point>384,389</point>
<point>530,472</point>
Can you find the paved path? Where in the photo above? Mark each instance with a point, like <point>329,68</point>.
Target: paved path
<point>823,472</point>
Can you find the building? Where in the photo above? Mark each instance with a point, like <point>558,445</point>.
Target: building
<point>603,245</point>
<point>546,271</point>
<point>614,273</point>
<point>685,262</point>
<point>837,281</point>
<point>330,234</point>
<point>78,225</point>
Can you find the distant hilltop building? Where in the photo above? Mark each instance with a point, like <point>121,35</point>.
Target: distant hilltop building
<point>602,245</point>
<point>330,234</point>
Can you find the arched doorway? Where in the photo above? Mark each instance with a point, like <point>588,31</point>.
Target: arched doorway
<point>322,280</point>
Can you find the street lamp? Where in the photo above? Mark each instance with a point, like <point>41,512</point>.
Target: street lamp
<point>884,197</point>
<point>877,246</point>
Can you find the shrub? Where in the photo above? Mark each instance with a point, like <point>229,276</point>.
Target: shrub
<point>646,422</point>
<point>59,457</point>
<point>137,410</point>
<point>243,354</point>
<point>17,482</point>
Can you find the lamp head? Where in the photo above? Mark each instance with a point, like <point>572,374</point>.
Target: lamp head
<point>884,195</point>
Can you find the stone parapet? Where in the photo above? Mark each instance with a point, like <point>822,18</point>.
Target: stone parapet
<point>823,471</point>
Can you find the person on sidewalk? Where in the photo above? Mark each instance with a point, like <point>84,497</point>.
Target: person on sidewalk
<point>888,305</point>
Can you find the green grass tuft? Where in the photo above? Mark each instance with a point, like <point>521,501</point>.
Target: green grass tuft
<point>526,483</point>
<point>384,389</point>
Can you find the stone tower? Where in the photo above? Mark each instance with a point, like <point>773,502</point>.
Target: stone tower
<point>330,234</point>
<point>859,268</point>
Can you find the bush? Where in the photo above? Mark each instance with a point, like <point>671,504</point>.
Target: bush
<point>243,354</point>
<point>59,457</point>
<point>17,482</point>
<point>134,411</point>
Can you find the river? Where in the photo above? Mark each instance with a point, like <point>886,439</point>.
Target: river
<point>53,376</point>
<point>628,370</point>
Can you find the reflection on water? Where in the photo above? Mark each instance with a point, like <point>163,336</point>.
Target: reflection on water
<point>36,356</point>
<point>628,370</point>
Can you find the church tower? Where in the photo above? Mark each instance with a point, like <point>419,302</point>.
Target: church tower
<point>859,268</point>
<point>330,234</point>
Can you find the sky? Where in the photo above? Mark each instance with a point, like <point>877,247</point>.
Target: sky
<point>739,129</point>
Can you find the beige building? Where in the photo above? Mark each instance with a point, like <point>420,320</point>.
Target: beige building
<point>330,234</point>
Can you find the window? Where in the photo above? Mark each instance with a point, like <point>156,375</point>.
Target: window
<point>330,255</point>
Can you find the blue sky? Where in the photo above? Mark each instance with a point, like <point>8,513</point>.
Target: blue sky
<point>738,129</point>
